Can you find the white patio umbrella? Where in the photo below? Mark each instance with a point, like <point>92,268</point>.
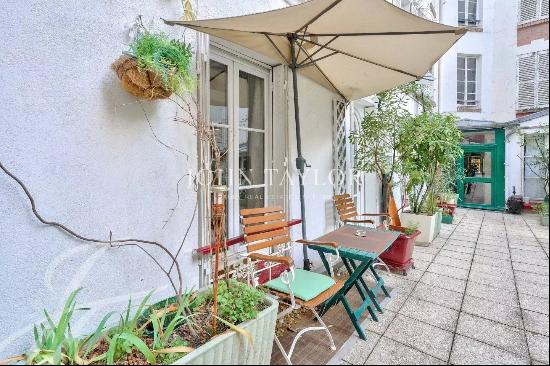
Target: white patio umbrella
<point>355,48</point>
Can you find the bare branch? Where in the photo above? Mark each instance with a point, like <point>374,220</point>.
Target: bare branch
<point>114,243</point>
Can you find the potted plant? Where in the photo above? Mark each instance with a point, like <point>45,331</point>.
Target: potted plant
<point>378,140</point>
<point>155,67</point>
<point>447,218</point>
<point>173,331</point>
<point>399,255</point>
<point>542,210</point>
<point>429,142</point>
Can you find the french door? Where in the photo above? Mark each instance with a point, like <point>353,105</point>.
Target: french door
<point>482,184</point>
<point>239,108</point>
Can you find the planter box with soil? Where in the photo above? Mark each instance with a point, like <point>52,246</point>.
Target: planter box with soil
<point>232,348</point>
<point>429,226</point>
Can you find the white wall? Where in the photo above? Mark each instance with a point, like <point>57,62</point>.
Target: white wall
<point>497,47</point>
<point>316,130</point>
<point>85,150</point>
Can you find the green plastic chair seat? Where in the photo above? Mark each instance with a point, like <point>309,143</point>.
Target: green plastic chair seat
<point>306,285</point>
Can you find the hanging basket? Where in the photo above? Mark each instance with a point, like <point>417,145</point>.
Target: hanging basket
<point>143,84</point>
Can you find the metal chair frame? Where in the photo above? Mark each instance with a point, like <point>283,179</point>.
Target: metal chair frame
<point>268,241</point>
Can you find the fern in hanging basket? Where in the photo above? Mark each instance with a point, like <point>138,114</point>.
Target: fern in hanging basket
<point>155,67</point>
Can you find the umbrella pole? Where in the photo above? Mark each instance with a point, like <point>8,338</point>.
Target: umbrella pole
<point>300,161</point>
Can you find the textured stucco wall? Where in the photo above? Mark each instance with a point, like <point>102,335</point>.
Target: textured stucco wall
<point>86,151</point>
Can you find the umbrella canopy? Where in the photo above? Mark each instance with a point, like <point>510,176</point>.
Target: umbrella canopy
<point>355,48</point>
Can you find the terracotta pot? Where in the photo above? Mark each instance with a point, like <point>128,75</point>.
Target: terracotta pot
<point>399,254</point>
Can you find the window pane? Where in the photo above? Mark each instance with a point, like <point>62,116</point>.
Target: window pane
<point>471,88</point>
<point>460,73</point>
<point>218,93</point>
<point>251,101</point>
<point>471,62</point>
<point>460,86</point>
<point>478,165</point>
<point>461,63</point>
<point>533,168</point>
<point>471,75</point>
<point>478,137</point>
<point>472,11</point>
<point>251,198</point>
<point>222,138</point>
<point>251,158</point>
<point>460,97</point>
<point>478,193</point>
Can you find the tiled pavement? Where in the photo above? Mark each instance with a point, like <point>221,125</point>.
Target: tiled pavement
<point>478,295</point>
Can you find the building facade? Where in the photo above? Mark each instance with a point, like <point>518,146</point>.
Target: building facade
<point>107,165</point>
<point>496,74</point>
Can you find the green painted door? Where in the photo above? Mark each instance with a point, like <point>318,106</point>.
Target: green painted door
<point>482,184</point>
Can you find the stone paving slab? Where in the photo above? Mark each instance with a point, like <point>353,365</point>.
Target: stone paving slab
<point>493,333</point>
<point>445,282</point>
<point>421,336</point>
<point>538,347</point>
<point>467,351</point>
<point>390,352</point>
<point>500,313</point>
<point>535,322</point>
<point>430,313</point>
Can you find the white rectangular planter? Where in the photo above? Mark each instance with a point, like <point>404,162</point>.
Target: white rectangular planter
<point>232,348</point>
<point>429,226</point>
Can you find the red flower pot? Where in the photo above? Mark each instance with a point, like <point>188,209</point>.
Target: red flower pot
<point>448,208</point>
<point>399,254</point>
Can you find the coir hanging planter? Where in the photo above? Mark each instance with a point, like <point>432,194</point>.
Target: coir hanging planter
<point>141,83</point>
<point>155,67</point>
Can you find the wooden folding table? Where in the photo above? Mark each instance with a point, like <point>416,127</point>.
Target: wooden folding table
<point>358,254</point>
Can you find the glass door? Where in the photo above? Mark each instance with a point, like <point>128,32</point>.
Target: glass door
<point>239,110</point>
<point>481,185</point>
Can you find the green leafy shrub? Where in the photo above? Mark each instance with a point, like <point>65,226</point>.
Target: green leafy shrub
<point>237,301</point>
<point>542,209</point>
<point>411,229</point>
<point>169,58</point>
<point>429,143</point>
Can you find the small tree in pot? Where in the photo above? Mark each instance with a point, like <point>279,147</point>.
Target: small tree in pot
<point>430,143</point>
<point>378,139</point>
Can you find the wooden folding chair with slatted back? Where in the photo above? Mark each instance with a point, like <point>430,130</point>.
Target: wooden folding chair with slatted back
<point>269,247</point>
<point>348,212</point>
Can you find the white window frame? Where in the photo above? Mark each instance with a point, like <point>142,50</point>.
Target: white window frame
<point>234,65</point>
<point>477,101</point>
<point>540,11</point>
<point>467,11</point>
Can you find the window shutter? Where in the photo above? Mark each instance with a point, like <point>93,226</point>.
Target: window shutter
<point>526,81</point>
<point>542,80</point>
<point>544,9</point>
<point>528,10</point>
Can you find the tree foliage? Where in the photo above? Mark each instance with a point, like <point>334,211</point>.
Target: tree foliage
<point>430,143</point>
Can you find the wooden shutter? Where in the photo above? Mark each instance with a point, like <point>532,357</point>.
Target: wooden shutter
<point>542,80</point>
<point>528,10</point>
<point>527,75</point>
<point>544,9</point>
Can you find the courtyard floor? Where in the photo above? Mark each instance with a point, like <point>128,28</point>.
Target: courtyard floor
<point>478,295</point>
